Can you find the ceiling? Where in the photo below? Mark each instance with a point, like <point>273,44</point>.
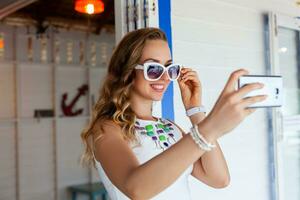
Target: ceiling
<point>62,12</point>
<point>4,3</point>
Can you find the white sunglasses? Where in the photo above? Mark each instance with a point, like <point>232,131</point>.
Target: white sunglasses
<point>153,71</point>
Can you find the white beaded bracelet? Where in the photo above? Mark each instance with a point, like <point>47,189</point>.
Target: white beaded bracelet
<point>199,143</point>
<point>203,139</point>
<point>200,140</point>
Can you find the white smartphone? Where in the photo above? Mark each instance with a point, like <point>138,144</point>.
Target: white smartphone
<point>273,87</point>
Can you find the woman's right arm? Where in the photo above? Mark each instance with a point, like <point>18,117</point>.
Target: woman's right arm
<point>143,181</point>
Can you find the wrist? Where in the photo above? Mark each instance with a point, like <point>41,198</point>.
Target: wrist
<point>187,107</point>
<point>194,110</point>
<point>197,118</point>
<point>207,131</point>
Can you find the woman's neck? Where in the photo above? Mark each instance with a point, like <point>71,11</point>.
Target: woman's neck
<point>141,107</point>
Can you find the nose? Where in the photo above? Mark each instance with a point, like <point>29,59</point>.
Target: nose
<point>165,76</point>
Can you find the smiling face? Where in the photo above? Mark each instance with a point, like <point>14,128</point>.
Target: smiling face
<point>153,51</point>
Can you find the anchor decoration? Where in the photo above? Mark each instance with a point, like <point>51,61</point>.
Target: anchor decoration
<point>68,110</point>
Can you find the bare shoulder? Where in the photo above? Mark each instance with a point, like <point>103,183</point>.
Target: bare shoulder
<point>106,133</point>
<point>107,128</point>
<point>113,151</point>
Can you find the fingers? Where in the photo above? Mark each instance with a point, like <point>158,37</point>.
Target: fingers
<point>251,100</point>
<point>250,110</point>
<point>230,85</point>
<point>185,70</point>
<point>188,74</point>
<point>193,78</point>
<point>243,108</point>
<point>247,88</point>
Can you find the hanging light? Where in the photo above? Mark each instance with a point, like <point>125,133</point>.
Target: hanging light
<point>89,6</point>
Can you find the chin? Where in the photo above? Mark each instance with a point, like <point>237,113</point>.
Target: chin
<point>157,97</point>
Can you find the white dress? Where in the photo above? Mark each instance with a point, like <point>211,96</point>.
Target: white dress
<point>155,137</point>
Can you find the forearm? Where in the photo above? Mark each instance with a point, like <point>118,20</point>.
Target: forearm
<point>161,171</point>
<point>213,162</point>
<point>215,167</point>
<point>145,182</point>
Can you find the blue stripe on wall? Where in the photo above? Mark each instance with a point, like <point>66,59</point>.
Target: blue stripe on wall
<point>164,7</point>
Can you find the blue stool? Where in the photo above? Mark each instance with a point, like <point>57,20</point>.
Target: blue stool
<point>90,189</point>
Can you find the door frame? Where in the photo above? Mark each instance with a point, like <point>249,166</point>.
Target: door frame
<point>277,122</point>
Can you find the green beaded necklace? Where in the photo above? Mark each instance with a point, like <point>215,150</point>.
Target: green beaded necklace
<point>162,132</point>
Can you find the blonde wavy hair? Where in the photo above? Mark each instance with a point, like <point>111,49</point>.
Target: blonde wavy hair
<point>113,103</point>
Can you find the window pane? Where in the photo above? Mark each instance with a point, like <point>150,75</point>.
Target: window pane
<point>291,160</point>
<point>289,67</point>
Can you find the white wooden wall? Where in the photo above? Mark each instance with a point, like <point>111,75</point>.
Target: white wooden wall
<point>36,150</point>
<point>216,37</point>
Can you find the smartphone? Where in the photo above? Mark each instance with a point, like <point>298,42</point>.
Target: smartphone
<point>273,87</point>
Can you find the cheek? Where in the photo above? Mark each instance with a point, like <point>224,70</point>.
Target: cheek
<point>139,78</point>
<point>142,87</point>
<point>140,83</point>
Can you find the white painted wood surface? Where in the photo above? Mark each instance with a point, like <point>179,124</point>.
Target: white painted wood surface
<point>35,137</point>
<point>216,37</point>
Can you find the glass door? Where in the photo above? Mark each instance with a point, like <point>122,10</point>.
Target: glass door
<point>285,47</point>
<point>288,40</point>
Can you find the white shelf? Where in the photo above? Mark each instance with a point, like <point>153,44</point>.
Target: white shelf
<point>9,120</point>
<point>53,76</point>
<point>50,65</point>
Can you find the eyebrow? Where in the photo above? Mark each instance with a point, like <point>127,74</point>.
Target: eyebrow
<point>155,60</point>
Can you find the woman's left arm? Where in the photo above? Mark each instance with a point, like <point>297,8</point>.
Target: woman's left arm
<point>211,168</point>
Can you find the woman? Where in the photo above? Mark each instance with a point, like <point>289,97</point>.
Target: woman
<point>139,156</point>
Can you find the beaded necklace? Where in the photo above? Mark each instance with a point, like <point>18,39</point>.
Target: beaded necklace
<point>161,132</point>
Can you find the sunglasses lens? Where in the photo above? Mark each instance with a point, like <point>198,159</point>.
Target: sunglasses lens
<point>154,71</point>
<point>174,71</point>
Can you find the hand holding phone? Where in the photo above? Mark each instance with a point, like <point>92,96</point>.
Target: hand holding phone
<point>229,110</point>
<point>273,87</point>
